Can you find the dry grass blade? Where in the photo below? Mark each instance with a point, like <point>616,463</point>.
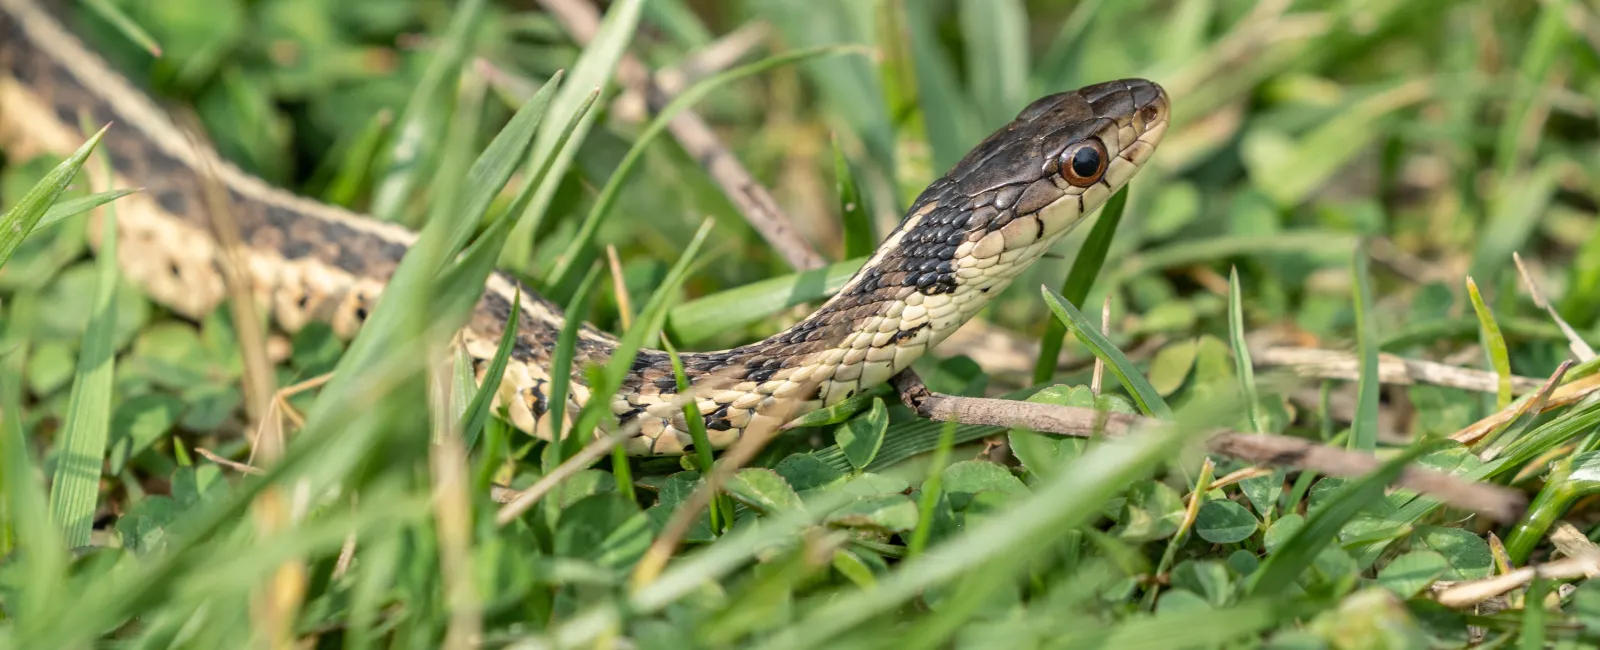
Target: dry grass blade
<point>1563,395</point>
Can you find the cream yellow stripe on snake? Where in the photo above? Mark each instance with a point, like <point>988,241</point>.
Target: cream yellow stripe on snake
<point>964,239</point>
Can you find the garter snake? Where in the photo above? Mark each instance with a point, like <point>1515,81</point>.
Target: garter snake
<point>961,242</point>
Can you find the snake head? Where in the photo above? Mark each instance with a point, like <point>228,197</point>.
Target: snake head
<point>1026,185</point>
<point>1057,162</point>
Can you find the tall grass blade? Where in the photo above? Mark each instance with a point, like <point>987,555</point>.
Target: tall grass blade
<point>1495,344</point>
<point>423,117</point>
<point>556,148</point>
<point>859,236</point>
<point>1364,430</point>
<point>81,450</point>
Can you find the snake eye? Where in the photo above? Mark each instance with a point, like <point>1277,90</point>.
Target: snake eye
<point>1084,163</point>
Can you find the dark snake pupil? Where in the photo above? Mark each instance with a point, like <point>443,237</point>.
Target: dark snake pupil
<point>1086,162</point>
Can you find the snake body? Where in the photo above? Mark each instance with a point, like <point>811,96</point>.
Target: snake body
<point>960,243</point>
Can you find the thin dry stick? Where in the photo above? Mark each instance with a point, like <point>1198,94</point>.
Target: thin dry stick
<point>696,137</point>
<point>715,57</point>
<point>1263,449</point>
<point>234,465</point>
<point>619,287</point>
<point>1571,542</point>
<point>519,502</point>
<point>278,601</point>
<point>1579,347</point>
<point>1332,364</point>
<point>347,552</point>
<point>1239,475</point>
<point>1096,380</point>
<point>281,399</point>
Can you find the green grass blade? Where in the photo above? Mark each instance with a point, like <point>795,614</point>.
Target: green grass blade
<point>840,411</point>
<point>1285,564</point>
<point>1494,343</point>
<point>1242,364</point>
<point>898,74</point>
<point>26,507</point>
<point>579,251</point>
<point>721,503</point>
<point>18,222</point>
<point>120,20</point>
<point>1364,430</point>
<point>996,35</point>
<point>1514,217</point>
<point>553,148</point>
<point>1085,268</point>
<point>424,116</point>
<point>443,236</point>
<point>931,491</point>
<point>699,319</point>
<point>1289,170</point>
<point>561,365</point>
<point>1145,395</point>
<point>859,236</point>
<point>477,412</point>
<point>352,172</point>
<point>1196,628</point>
<point>79,205</point>
<point>81,450</point>
<point>1317,247</point>
<point>952,119</point>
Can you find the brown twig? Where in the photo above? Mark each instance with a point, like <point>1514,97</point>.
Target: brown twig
<point>1264,449</point>
<point>696,137</point>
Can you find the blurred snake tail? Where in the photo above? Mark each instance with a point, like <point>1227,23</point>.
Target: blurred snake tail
<point>960,243</point>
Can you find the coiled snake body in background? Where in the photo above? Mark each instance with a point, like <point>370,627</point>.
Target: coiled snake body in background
<point>961,242</point>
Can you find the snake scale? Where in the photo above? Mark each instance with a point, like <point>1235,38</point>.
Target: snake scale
<point>961,242</point>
